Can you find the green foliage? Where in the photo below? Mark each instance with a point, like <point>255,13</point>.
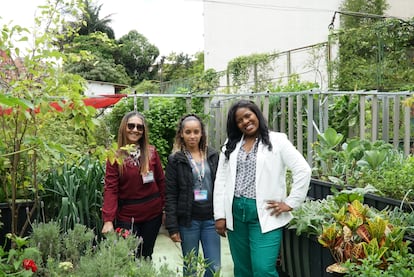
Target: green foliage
<point>242,67</point>
<point>11,262</point>
<point>74,193</point>
<point>309,217</point>
<point>400,264</point>
<point>312,215</point>
<point>137,55</point>
<point>402,219</point>
<point>115,255</point>
<point>162,119</point>
<point>374,53</point>
<point>344,114</point>
<point>359,237</point>
<point>54,252</point>
<point>46,237</point>
<point>92,57</point>
<point>360,163</point>
<point>178,66</point>
<point>294,84</point>
<point>147,86</point>
<point>393,179</point>
<point>90,21</point>
<point>196,265</point>
<point>31,77</point>
<point>367,7</point>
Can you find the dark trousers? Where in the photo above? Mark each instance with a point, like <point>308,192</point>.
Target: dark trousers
<point>148,231</point>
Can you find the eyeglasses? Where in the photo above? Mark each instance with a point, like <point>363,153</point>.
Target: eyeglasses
<point>132,126</point>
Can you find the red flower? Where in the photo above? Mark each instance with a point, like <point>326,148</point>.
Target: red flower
<point>126,233</point>
<point>123,232</point>
<point>29,264</point>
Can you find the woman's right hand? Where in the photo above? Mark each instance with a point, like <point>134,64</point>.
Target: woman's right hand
<point>221,227</point>
<point>175,237</point>
<point>107,227</point>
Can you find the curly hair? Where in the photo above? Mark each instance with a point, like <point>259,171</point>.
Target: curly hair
<point>234,134</point>
<point>179,144</point>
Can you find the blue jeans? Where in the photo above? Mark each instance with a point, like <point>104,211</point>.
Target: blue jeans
<point>201,231</point>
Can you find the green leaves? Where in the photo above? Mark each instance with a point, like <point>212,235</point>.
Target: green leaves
<point>75,194</point>
<point>373,158</point>
<point>330,139</point>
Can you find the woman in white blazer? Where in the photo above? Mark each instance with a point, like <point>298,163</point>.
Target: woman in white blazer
<point>251,204</point>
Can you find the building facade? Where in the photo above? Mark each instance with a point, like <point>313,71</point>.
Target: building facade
<point>241,28</point>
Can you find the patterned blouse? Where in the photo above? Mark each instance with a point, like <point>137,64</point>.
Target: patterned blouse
<point>246,172</point>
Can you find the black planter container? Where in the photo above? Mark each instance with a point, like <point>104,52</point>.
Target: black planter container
<point>319,189</point>
<point>6,218</point>
<point>303,256</point>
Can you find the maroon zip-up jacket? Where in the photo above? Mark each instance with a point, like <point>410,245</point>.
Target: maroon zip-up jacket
<point>130,187</point>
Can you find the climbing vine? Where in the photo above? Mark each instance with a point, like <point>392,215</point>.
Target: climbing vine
<point>257,65</point>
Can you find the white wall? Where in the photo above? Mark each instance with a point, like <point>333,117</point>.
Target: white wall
<point>262,26</point>
<point>234,28</point>
<point>99,88</point>
<point>401,8</point>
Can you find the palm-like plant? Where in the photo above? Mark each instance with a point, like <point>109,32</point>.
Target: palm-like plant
<point>90,21</point>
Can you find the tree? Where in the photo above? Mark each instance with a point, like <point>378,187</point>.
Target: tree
<point>92,57</point>
<point>90,21</point>
<point>137,55</point>
<point>35,137</point>
<point>361,12</point>
<point>374,51</point>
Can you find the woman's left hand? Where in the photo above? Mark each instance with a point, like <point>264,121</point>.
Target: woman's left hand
<point>277,207</point>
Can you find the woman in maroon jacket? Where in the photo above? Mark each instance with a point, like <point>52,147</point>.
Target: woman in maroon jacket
<point>134,192</point>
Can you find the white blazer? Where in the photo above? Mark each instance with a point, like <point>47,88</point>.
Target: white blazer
<point>271,167</point>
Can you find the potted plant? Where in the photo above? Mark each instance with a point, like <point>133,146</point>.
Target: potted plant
<point>339,233</point>
<point>354,162</point>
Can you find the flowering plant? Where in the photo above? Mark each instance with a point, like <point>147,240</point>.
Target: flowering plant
<point>20,261</point>
<point>123,232</point>
<point>29,264</point>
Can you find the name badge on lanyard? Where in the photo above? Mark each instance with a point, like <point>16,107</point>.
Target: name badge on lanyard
<point>200,194</point>
<point>148,178</point>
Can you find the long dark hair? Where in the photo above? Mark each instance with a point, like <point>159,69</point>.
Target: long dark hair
<point>179,141</point>
<point>233,132</point>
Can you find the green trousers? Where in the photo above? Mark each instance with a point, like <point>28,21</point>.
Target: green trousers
<point>254,253</point>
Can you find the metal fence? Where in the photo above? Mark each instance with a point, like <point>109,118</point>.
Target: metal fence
<point>302,115</point>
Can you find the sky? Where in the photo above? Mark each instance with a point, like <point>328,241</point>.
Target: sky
<point>171,25</point>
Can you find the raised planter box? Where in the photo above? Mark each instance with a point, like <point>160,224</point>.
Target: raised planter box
<point>6,219</point>
<point>320,189</point>
<point>303,256</point>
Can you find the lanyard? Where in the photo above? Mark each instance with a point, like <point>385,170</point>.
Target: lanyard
<point>194,165</point>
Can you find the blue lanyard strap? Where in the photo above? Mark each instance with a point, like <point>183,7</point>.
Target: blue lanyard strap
<point>195,167</point>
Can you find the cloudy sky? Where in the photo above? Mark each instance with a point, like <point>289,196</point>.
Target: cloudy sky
<point>171,25</point>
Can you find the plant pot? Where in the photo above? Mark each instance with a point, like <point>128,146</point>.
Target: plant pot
<point>6,218</point>
<point>303,256</point>
<point>319,189</point>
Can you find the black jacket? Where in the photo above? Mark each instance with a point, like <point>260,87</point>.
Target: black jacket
<point>179,188</point>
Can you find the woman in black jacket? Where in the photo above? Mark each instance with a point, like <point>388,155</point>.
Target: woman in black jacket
<point>190,175</point>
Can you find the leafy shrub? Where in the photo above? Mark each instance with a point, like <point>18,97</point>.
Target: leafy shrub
<point>74,195</point>
<point>359,163</point>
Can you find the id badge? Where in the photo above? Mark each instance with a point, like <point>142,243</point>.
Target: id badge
<point>148,178</point>
<point>200,194</point>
